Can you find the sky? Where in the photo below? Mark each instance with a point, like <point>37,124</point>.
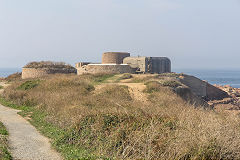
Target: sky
<point>196,34</point>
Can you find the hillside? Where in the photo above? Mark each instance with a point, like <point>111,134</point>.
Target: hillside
<point>126,117</point>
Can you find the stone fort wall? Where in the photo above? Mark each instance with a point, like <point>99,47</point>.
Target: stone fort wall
<point>114,57</point>
<point>101,68</point>
<point>42,72</point>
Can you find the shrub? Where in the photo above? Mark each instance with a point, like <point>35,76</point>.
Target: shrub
<point>172,84</point>
<point>125,76</point>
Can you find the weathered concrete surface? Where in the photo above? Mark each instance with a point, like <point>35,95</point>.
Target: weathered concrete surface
<point>41,72</point>
<point>25,142</point>
<point>149,64</point>
<point>105,68</point>
<point>114,57</point>
<point>202,88</point>
<point>197,86</point>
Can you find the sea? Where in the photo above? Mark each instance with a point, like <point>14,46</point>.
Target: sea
<point>217,76</point>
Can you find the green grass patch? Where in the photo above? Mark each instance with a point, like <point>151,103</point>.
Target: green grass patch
<point>29,85</point>
<point>4,152</point>
<point>101,78</point>
<point>1,87</point>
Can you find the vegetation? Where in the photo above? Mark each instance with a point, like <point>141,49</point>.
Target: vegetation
<point>172,84</point>
<point>4,153</point>
<point>88,120</point>
<point>14,77</point>
<point>29,85</point>
<point>48,64</point>
<point>153,86</point>
<point>125,76</point>
<point>1,87</point>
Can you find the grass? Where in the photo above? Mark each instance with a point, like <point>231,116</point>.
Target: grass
<point>56,134</point>
<point>101,78</point>
<point>4,153</point>
<point>1,87</point>
<point>29,85</point>
<point>125,76</point>
<point>84,123</point>
<point>48,64</point>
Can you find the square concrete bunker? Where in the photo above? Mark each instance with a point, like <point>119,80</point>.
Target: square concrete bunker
<point>149,64</point>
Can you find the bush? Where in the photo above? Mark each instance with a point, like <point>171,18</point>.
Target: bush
<point>172,84</point>
<point>125,76</point>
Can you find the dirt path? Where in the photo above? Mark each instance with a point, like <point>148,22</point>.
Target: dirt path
<point>25,142</point>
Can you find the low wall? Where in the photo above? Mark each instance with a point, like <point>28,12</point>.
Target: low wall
<point>214,93</point>
<point>197,86</point>
<point>203,89</point>
<point>41,72</point>
<point>105,68</point>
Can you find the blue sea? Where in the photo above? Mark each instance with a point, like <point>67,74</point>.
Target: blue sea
<point>220,77</point>
<point>4,72</point>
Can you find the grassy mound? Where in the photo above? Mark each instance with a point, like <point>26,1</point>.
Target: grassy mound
<point>87,120</point>
<point>48,64</point>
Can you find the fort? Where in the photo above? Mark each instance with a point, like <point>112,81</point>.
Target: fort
<point>121,62</point>
<point>112,62</point>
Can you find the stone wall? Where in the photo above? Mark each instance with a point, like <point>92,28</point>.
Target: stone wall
<point>95,68</point>
<point>114,57</point>
<point>41,72</point>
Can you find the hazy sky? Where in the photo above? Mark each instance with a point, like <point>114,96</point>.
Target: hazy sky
<point>193,33</point>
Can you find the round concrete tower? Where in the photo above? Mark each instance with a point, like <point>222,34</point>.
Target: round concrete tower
<point>114,57</point>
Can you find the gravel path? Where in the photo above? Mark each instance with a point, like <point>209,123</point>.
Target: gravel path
<point>25,142</point>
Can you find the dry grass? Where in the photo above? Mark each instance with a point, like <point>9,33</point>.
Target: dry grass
<point>14,77</point>
<point>48,64</point>
<point>111,124</point>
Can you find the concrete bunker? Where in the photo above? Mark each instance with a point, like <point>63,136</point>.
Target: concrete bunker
<point>149,64</point>
<point>121,62</point>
